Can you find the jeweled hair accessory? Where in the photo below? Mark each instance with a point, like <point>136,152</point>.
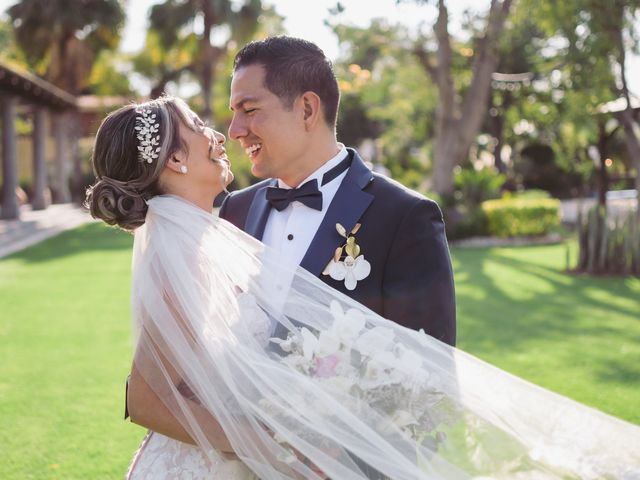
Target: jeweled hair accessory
<point>147,127</point>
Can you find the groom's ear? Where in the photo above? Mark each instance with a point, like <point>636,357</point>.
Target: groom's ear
<point>311,106</point>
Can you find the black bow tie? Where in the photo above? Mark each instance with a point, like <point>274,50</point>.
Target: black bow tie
<point>308,193</point>
<point>280,198</point>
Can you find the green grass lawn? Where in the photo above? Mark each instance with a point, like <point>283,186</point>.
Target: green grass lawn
<point>65,343</point>
<point>65,352</point>
<point>576,335</point>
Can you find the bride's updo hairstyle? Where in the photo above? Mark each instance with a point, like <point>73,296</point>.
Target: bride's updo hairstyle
<point>126,176</point>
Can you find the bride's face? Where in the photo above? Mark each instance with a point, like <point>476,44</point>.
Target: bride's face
<point>206,158</point>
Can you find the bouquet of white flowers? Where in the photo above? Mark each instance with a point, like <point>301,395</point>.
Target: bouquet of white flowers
<point>371,367</point>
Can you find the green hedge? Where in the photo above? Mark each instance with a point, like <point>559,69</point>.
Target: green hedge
<point>528,194</point>
<point>515,217</point>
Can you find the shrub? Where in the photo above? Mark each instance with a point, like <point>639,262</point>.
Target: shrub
<point>521,217</point>
<point>469,223</point>
<point>472,187</point>
<point>528,194</point>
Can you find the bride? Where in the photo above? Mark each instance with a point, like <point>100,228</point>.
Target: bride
<point>343,393</point>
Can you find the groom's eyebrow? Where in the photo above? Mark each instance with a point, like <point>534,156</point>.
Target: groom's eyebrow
<point>241,102</point>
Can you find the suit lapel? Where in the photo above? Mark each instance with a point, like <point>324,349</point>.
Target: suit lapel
<point>258,213</point>
<point>347,206</point>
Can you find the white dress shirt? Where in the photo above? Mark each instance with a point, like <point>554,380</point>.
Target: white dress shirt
<point>291,230</point>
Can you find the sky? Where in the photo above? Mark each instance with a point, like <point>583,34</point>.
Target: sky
<point>305,18</point>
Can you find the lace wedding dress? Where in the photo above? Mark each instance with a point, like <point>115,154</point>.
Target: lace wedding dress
<point>162,458</point>
<point>343,391</point>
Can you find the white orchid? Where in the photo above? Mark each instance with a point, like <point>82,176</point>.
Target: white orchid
<point>410,363</point>
<point>309,343</point>
<point>346,325</point>
<point>287,345</point>
<point>375,340</point>
<point>351,270</point>
<point>328,343</point>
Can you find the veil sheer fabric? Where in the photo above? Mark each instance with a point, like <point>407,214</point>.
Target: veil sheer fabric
<point>398,404</point>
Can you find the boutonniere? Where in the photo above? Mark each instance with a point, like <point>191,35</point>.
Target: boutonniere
<point>353,267</point>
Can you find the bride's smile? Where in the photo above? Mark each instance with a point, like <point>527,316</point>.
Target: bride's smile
<point>200,170</point>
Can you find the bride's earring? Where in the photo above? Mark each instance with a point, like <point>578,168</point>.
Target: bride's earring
<point>183,169</point>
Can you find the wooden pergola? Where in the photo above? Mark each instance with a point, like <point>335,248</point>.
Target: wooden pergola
<point>41,99</point>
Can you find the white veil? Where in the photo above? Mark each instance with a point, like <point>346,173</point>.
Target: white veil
<point>354,394</point>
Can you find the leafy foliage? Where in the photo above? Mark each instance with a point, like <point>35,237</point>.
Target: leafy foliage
<point>588,41</point>
<point>9,50</point>
<point>64,41</point>
<point>536,168</point>
<point>383,98</point>
<point>109,76</point>
<point>475,186</point>
<point>471,187</point>
<point>521,217</point>
<point>527,194</point>
<point>193,39</point>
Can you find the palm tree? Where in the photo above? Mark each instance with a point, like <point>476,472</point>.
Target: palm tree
<point>173,22</point>
<point>61,40</point>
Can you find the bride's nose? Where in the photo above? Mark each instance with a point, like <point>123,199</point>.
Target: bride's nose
<point>220,138</point>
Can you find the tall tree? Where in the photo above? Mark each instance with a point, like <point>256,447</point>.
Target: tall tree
<point>383,98</point>
<point>62,41</point>
<point>9,50</point>
<point>174,22</point>
<point>599,34</point>
<point>461,109</point>
<point>519,64</point>
<point>619,24</point>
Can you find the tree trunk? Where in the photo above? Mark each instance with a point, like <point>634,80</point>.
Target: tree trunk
<point>631,141</point>
<point>496,127</point>
<point>447,155</point>
<point>458,122</point>
<point>207,62</point>
<point>474,104</point>
<point>602,174</point>
<point>627,119</point>
<point>161,84</point>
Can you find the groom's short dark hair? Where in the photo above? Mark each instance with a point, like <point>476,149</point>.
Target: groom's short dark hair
<point>293,66</point>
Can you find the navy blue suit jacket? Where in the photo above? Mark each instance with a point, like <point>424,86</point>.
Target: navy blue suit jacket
<point>402,236</point>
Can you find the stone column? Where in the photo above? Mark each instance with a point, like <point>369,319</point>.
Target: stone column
<point>63,161</point>
<point>38,201</point>
<point>10,205</point>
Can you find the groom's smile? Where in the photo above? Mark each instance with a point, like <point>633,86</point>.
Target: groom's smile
<point>253,150</point>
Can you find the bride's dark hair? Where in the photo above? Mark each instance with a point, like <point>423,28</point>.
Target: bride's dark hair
<point>124,180</point>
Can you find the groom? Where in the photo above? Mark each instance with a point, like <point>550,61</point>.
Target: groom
<point>318,195</point>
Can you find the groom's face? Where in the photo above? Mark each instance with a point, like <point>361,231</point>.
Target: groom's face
<point>272,135</point>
